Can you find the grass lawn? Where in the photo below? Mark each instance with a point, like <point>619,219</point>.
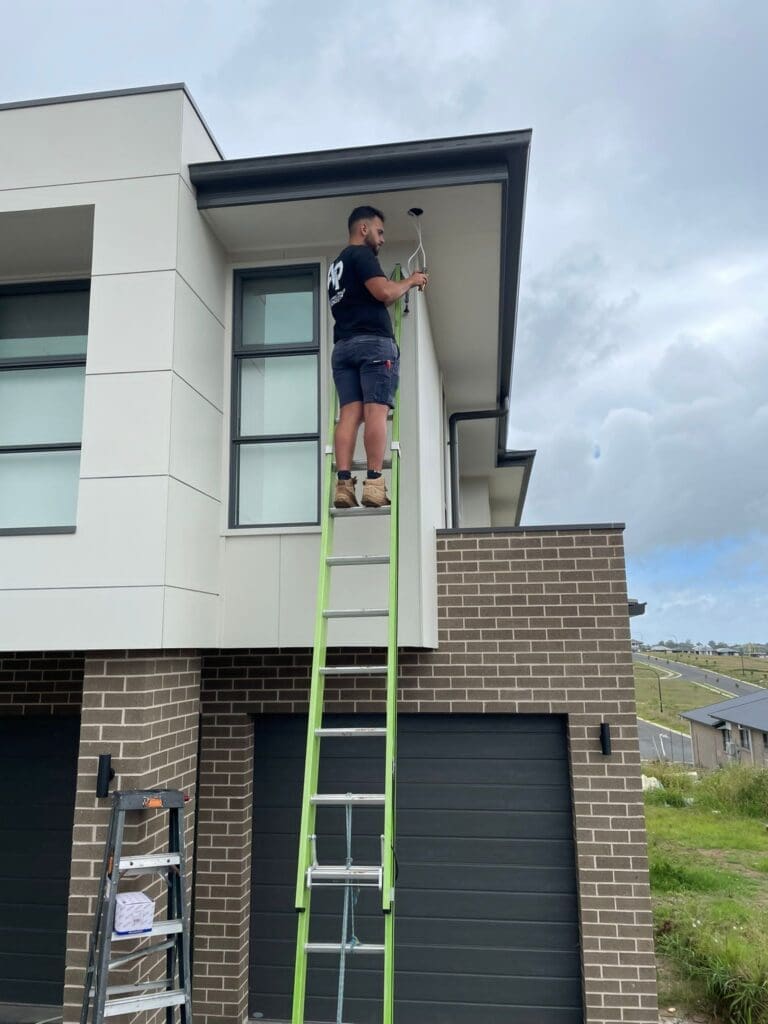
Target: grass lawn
<point>752,670</point>
<point>708,851</point>
<point>676,695</point>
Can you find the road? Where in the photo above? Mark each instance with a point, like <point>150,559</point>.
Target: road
<point>701,675</point>
<point>658,743</point>
<point>655,739</point>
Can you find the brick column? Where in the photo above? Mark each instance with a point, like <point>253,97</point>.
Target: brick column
<point>143,708</point>
<point>223,879</point>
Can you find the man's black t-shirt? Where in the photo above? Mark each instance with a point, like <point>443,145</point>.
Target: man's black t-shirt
<point>354,309</point>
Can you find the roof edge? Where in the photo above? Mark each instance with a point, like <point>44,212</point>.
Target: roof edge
<point>108,94</point>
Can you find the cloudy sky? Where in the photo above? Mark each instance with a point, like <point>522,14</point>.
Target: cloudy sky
<point>642,357</point>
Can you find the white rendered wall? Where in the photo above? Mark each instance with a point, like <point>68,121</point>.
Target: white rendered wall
<point>141,570</point>
<point>269,577</point>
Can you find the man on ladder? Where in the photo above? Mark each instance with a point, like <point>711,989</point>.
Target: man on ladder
<point>366,359</point>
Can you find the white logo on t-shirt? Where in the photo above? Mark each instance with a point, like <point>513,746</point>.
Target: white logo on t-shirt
<point>334,274</point>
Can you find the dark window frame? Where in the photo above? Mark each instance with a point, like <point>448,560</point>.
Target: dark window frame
<point>240,352</point>
<point>47,362</point>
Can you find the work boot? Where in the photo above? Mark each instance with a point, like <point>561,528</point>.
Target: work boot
<point>345,494</point>
<point>375,493</point>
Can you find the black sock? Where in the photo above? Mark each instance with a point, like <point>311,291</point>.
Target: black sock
<point>345,474</point>
<point>373,475</point>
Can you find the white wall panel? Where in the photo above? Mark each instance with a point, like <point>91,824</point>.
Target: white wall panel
<point>299,556</point>
<point>40,620</point>
<point>200,254</point>
<point>196,143</point>
<point>135,225</point>
<point>126,424</point>
<point>91,140</point>
<point>251,591</point>
<point>120,540</point>
<point>192,546</point>
<point>195,440</point>
<point>190,619</point>
<point>131,322</point>
<point>198,345</point>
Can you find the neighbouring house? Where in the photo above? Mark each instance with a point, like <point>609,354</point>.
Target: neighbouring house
<point>661,649</point>
<point>164,367</point>
<point>732,731</point>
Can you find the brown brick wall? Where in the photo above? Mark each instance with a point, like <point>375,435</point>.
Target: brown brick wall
<point>41,683</point>
<point>143,708</point>
<point>529,621</point>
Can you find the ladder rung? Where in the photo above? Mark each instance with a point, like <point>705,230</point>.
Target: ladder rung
<point>358,560</point>
<point>139,954</point>
<point>158,928</point>
<point>361,465</point>
<point>363,510</point>
<point>155,862</point>
<point>355,613</point>
<point>354,670</point>
<point>335,947</point>
<point>342,799</point>
<point>357,730</point>
<point>114,1007</point>
<point>116,990</point>
<point>340,874</point>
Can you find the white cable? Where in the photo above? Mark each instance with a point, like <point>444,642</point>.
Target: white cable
<point>419,249</point>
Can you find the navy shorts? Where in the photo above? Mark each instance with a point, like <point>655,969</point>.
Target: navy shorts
<point>366,368</point>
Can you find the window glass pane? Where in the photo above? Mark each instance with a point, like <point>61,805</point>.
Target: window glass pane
<point>278,311</point>
<point>278,395</point>
<point>41,406</point>
<point>43,324</point>
<point>38,489</point>
<point>278,483</point>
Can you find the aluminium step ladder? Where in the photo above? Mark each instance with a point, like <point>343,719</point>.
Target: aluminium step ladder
<point>100,999</point>
<point>349,877</point>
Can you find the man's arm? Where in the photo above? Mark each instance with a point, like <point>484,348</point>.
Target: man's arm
<point>387,291</point>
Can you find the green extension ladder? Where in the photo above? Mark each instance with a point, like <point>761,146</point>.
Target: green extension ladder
<point>349,876</point>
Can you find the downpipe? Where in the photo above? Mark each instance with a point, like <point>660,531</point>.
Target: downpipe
<point>453,443</point>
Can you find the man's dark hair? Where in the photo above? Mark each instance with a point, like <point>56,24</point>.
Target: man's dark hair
<point>363,213</point>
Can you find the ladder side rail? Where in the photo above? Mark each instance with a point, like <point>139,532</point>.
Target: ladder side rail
<point>107,922</point>
<point>90,973</point>
<point>390,756</point>
<point>178,881</point>
<point>314,722</point>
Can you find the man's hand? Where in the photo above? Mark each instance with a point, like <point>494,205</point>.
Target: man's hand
<point>418,280</point>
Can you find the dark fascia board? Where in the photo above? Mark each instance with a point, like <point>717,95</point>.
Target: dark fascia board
<point>506,459</point>
<point>83,97</point>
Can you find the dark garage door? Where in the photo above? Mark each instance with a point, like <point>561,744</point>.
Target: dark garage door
<point>38,773</point>
<point>487,928</point>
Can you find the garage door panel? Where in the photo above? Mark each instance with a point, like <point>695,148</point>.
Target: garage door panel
<point>514,852</point>
<point>537,747</point>
<point>477,770</point>
<point>487,927</point>
<point>551,936</point>
<point>495,797</point>
<point>38,768</point>
<point>491,879</point>
<point>485,825</point>
<point>469,1013</point>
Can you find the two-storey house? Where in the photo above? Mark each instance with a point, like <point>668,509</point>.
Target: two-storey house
<point>164,383</point>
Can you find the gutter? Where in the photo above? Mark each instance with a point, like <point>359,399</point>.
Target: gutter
<point>505,458</point>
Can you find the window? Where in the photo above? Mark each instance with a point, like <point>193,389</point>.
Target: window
<point>275,461</point>
<point>745,738</point>
<point>43,338</point>
<point>726,738</point>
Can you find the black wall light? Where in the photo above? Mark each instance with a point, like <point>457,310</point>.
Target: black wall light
<point>104,775</point>
<point>605,738</point>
